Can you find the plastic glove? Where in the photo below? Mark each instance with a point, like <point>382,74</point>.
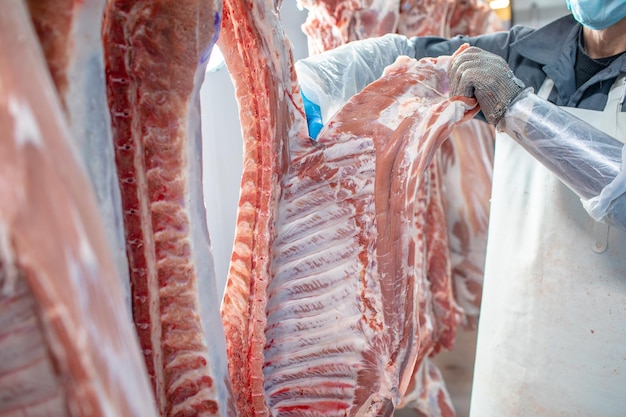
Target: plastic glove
<point>313,116</point>
<point>486,76</point>
<point>587,160</point>
<point>330,79</point>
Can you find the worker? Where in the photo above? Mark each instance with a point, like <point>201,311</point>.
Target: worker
<point>552,330</point>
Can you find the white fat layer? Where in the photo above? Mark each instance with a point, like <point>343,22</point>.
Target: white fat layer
<point>404,107</point>
<point>450,114</point>
<point>90,128</point>
<point>197,398</point>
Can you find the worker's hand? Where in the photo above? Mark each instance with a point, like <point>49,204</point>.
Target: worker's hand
<point>486,76</point>
<point>313,116</point>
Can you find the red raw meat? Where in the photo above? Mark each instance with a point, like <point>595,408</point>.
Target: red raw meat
<point>432,399</point>
<point>332,23</point>
<point>471,18</point>
<point>156,53</point>
<point>53,22</point>
<point>425,17</point>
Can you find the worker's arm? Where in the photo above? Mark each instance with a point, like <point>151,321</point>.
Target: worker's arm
<point>586,159</point>
<point>330,79</point>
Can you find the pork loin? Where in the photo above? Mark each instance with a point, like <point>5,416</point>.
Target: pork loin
<point>156,54</point>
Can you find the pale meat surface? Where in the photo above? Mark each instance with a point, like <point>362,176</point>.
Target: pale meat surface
<point>67,347</point>
<point>331,23</point>
<point>425,17</point>
<point>466,162</point>
<point>471,18</point>
<point>156,53</point>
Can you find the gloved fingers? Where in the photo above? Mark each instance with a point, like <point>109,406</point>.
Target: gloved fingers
<point>458,67</point>
<point>463,79</point>
<point>486,76</point>
<point>472,69</point>
<point>315,126</point>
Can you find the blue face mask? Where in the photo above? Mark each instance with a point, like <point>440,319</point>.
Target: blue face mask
<point>597,14</point>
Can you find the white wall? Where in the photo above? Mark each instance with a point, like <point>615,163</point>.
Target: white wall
<point>536,13</point>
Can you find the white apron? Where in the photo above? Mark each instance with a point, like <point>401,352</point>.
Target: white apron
<point>552,331</point>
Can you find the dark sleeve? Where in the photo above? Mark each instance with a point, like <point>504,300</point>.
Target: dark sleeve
<point>497,43</point>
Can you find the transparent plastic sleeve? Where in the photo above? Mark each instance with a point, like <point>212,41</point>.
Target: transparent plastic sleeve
<point>586,159</point>
<point>610,206</point>
<point>330,79</point>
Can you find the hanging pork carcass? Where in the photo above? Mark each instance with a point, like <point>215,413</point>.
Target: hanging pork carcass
<point>156,53</point>
<point>67,347</point>
<point>321,311</point>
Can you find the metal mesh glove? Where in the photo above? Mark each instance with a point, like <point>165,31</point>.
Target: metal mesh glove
<point>486,76</point>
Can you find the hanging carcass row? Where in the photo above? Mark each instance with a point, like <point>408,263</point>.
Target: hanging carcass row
<point>334,238</point>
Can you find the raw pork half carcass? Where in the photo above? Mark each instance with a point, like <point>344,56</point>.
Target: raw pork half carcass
<point>67,347</point>
<point>156,53</point>
<point>320,308</point>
